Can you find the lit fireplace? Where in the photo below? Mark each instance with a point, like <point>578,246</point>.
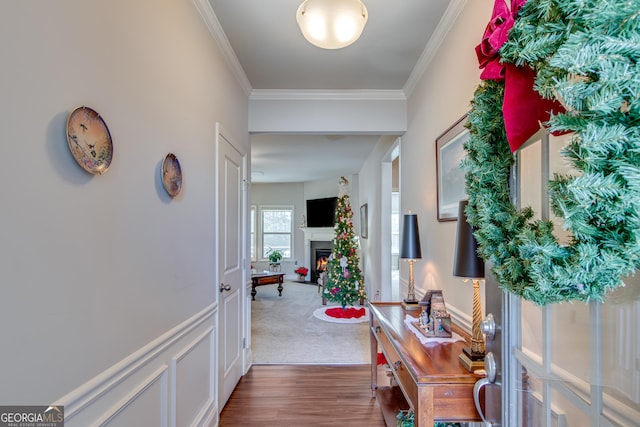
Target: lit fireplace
<point>320,253</point>
<point>322,259</point>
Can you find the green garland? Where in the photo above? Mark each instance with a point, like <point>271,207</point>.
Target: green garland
<point>586,55</point>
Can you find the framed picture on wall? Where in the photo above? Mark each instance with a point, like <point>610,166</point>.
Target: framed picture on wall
<point>364,218</point>
<point>450,176</point>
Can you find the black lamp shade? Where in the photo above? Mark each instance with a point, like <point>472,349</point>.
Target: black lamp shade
<point>466,263</point>
<point>410,245</point>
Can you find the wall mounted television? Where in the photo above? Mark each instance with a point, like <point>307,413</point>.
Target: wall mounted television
<point>321,212</point>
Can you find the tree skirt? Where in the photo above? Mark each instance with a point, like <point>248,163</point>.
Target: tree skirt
<point>337,315</point>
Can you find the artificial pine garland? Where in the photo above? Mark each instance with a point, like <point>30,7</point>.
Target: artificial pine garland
<point>586,55</point>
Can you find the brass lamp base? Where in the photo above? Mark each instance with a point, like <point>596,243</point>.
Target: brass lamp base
<point>470,360</point>
<point>410,303</point>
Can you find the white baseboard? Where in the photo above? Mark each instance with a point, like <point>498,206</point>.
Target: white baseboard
<point>169,382</point>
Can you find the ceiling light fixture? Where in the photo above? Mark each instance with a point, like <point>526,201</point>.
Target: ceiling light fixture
<point>331,24</point>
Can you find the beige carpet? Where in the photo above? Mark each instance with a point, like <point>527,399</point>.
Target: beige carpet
<point>284,330</point>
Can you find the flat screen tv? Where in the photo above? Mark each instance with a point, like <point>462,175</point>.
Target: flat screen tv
<point>322,212</point>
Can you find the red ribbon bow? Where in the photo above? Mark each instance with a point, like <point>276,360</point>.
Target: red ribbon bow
<point>523,108</point>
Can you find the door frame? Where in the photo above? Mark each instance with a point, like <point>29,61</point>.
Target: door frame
<point>386,187</point>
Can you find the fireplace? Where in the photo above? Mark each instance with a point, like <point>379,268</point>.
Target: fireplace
<point>320,251</point>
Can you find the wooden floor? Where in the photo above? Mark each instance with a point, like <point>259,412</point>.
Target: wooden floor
<point>303,395</point>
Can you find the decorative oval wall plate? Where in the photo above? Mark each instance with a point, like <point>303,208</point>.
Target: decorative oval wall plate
<point>89,140</point>
<point>171,175</point>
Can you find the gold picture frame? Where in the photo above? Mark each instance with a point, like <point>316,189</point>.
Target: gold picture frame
<point>450,176</point>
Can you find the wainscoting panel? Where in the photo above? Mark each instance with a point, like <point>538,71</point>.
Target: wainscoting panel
<point>169,382</point>
<point>195,381</point>
<point>142,404</point>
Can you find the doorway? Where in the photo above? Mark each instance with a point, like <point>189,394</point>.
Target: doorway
<point>390,224</point>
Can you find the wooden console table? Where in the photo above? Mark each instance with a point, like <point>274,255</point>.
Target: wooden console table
<point>430,377</point>
<point>266,279</point>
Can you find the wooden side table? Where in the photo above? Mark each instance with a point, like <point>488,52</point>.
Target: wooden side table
<point>430,377</point>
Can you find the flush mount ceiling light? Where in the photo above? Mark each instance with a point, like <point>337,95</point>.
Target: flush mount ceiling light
<point>331,24</point>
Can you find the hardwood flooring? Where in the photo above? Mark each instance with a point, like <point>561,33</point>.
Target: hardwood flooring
<point>303,395</point>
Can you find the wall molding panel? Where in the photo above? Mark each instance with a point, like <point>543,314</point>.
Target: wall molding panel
<point>135,405</point>
<point>170,380</point>
<point>193,397</point>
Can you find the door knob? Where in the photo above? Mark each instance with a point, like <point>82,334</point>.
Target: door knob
<point>488,326</point>
<point>224,287</point>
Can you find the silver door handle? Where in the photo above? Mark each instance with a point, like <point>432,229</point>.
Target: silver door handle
<point>476,398</point>
<point>224,287</point>
<point>490,367</point>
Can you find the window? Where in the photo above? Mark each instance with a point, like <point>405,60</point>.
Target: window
<point>253,233</point>
<point>395,230</point>
<point>277,229</point>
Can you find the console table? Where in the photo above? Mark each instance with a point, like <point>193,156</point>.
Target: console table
<point>430,378</point>
<point>266,279</point>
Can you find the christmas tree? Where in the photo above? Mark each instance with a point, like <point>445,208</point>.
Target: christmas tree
<point>344,277</point>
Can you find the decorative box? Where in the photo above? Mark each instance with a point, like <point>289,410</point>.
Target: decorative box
<point>441,324</point>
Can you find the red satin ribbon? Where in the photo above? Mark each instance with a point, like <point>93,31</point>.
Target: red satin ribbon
<point>523,108</point>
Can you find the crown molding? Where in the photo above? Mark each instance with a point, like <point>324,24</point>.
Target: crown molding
<point>327,95</point>
<point>441,31</point>
<point>211,21</point>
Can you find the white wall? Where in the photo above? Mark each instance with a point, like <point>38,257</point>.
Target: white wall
<point>321,189</point>
<point>382,113</point>
<point>95,268</point>
<point>440,98</point>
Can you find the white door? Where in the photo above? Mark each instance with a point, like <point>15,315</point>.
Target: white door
<point>570,364</point>
<point>231,220</point>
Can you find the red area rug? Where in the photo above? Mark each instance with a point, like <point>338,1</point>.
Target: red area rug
<point>339,315</point>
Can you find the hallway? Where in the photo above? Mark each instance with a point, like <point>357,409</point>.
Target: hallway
<point>303,395</point>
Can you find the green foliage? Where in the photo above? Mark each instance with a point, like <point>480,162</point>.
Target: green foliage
<point>586,54</point>
<point>407,419</point>
<point>274,255</point>
<point>344,277</point>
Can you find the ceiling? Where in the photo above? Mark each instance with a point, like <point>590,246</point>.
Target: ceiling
<point>265,39</point>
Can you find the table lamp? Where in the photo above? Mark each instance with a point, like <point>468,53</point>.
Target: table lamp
<point>469,265</point>
<point>410,251</point>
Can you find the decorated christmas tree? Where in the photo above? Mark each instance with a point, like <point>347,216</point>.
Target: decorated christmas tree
<point>344,277</point>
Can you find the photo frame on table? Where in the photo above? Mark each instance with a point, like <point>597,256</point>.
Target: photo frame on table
<point>450,176</point>
<point>364,221</point>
